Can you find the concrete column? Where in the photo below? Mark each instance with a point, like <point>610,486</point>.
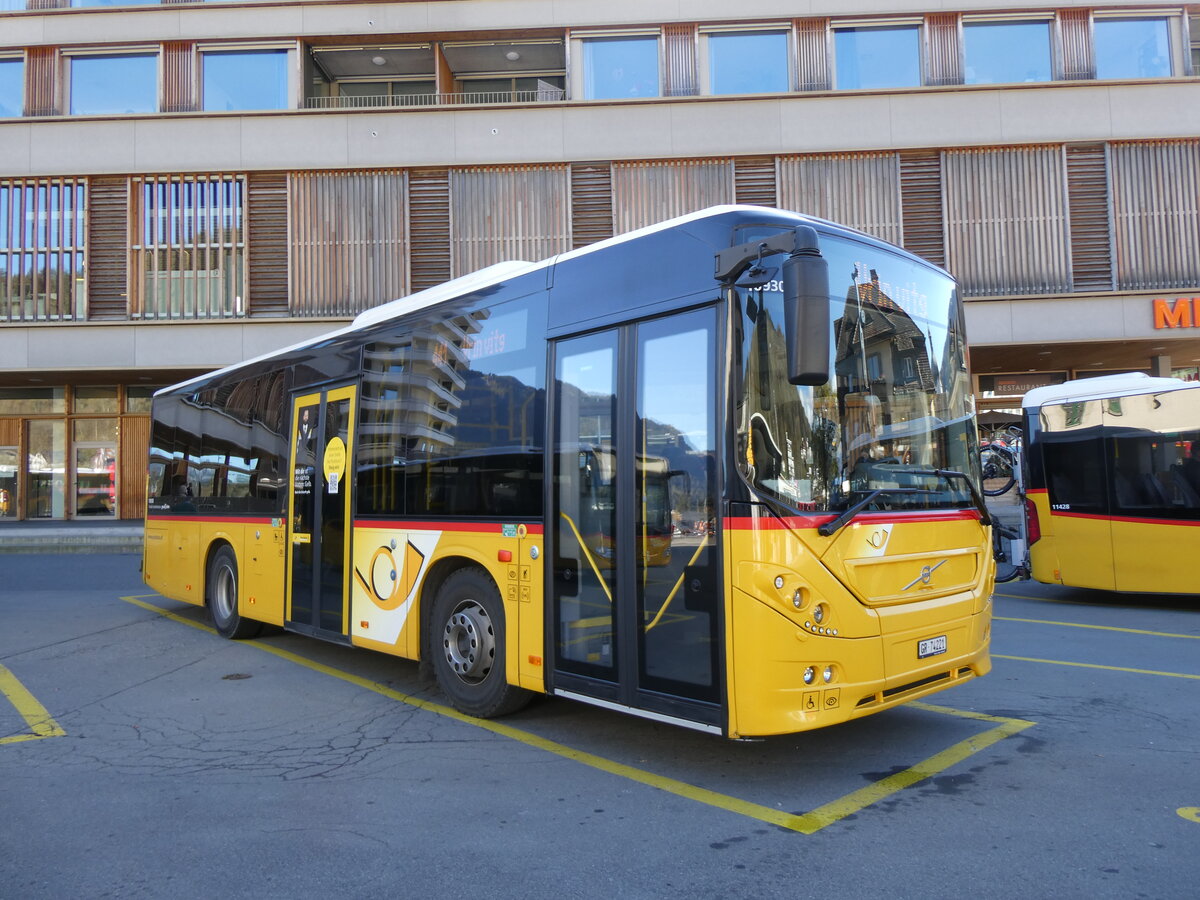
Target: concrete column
<point>1160,366</point>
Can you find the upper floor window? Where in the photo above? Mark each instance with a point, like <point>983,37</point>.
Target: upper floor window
<point>81,3</point>
<point>620,67</point>
<point>245,79</point>
<point>877,57</point>
<point>1132,48</point>
<point>114,85</point>
<point>12,82</point>
<point>748,62</point>
<point>1007,52</point>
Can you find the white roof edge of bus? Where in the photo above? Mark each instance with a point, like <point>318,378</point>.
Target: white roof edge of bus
<point>1125,384</point>
<point>486,277</point>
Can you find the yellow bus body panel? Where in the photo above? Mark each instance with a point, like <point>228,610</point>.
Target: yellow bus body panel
<point>390,565</point>
<point>876,610</point>
<point>1074,550</point>
<point>1157,557</point>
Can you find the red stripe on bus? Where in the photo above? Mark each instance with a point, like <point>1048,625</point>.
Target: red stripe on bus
<point>1036,491</point>
<point>750,523</point>
<point>1136,520</point>
<point>216,520</point>
<point>465,527</point>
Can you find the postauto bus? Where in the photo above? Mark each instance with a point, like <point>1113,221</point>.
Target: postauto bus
<point>1112,476</point>
<point>718,472</point>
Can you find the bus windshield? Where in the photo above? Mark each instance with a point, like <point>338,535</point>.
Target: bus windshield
<point>897,406</point>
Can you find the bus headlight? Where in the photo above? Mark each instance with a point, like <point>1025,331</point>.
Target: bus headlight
<point>828,674</point>
<point>810,675</point>
<point>818,613</point>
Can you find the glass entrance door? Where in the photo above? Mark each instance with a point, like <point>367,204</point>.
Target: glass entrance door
<point>8,482</point>
<point>636,612</point>
<point>319,513</point>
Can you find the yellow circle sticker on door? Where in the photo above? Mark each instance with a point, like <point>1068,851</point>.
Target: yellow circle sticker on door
<point>335,463</point>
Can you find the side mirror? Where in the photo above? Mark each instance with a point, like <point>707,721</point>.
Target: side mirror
<point>806,310</point>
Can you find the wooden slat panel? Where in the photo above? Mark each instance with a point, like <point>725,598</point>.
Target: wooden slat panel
<point>179,85</point>
<point>944,49</point>
<point>135,457</point>
<point>108,248</point>
<point>347,241</point>
<point>429,225</point>
<point>1156,214</point>
<point>649,192</point>
<point>42,76</point>
<point>1075,26</point>
<point>591,203</point>
<point>754,180</point>
<point>1006,223</point>
<point>857,189</point>
<point>680,41</point>
<point>812,59</point>
<point>10,432</point>
<point>921,204</point>
<point>508,212</point>
<point>267,244</point>
<point>1091,225</point>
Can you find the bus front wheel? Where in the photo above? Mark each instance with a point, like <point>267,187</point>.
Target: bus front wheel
<point>468,646</point>
<point>221,588</point>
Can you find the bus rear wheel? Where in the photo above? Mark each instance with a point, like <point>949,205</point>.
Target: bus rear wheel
<point>467,644</point>
<point>221,590</point>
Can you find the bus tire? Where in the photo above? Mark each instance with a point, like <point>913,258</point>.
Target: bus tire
<point>221,597</point>
<point>467,645</point>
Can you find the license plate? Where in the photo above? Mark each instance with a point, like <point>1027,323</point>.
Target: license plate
<point>931,646</point>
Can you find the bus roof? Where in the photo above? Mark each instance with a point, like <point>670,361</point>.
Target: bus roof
<point>1102,387</point>
<point>501,272</point>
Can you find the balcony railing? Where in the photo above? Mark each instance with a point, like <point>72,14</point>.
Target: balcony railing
<point>452,99</point>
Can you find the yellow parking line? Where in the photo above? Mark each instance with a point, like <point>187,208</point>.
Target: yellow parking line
<point>805,823</point>
<point>1170,634</point>
<point>41,724</point>
<point>1063,662</point>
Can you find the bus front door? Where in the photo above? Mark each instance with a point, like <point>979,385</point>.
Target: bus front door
<point>319,511</point>
<point>636,613</point>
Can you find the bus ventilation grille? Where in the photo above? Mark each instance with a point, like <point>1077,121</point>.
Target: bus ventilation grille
<point>893,693</point>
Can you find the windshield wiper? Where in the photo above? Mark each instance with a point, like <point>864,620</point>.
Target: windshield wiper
<point>854,509</point>
<point>850,512</point>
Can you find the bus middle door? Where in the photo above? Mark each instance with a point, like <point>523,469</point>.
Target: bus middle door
<point>320,512</point>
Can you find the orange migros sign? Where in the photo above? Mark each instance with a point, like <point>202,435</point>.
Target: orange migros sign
<point>1181,313</point>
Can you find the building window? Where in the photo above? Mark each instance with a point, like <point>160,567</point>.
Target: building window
<point>1007,52</point>
<point>12,86</point>
<point>615,68</point>
<point>41,249</point>
<point>1132,48</point>
<point>877,57</point>
<point>253,79</point>
<point>188,261</point>
<point>114,85</point>
<point>748,62</point>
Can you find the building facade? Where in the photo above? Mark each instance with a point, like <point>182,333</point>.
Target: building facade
<point>184,185</point>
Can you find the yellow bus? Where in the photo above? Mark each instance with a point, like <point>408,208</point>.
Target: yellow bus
<point>718,472</point>
<point>1112,483</point>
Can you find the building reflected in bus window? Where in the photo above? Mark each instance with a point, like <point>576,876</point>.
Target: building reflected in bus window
<point>453,412</point>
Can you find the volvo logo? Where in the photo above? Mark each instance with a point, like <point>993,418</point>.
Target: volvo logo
<point>926,575</point>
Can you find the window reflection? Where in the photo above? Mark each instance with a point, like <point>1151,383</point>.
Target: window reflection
<point>114,85</point>
<point>748,62</point>
<point>1132,48</point>
<point>245,80</point>
<point>620,67</point>
<point>1007,52</point>
<point>877,57</point>
<point>12,74</point>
